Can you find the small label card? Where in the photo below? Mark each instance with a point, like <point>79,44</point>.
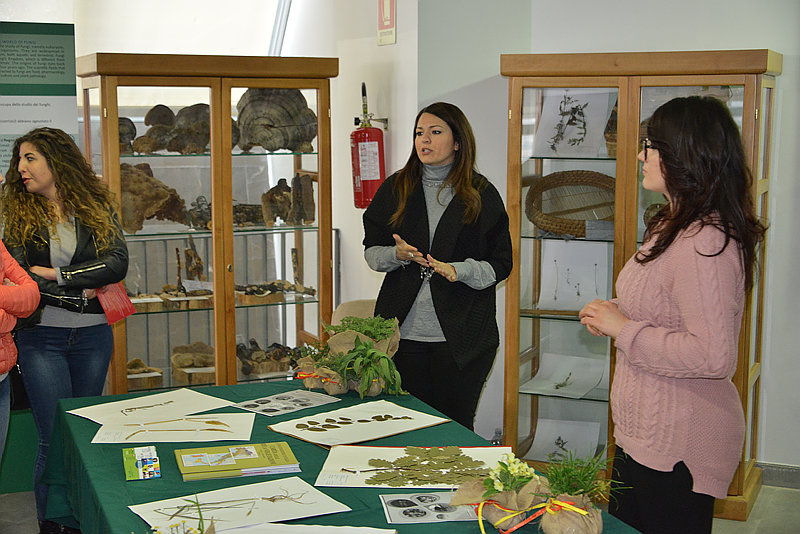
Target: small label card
<point>141,463</point>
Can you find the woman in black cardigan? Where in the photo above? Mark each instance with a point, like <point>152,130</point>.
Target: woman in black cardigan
<point>439,231</point>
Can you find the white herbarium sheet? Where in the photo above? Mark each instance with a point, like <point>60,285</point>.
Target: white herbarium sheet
<point>283,528</point>
<point>348,465</point>
<point>565,376</point>
<point>241,506</point>
<point>559,438</point>
<point>166,405</point>
<point>289,401</point>
<point>209,427</point>
<point>354,424</point>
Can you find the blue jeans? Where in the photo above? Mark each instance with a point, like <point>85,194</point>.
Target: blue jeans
<point>58,363</point>
<point>5,412</point>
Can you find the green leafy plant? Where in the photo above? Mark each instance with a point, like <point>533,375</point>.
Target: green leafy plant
<point>366,364</point>
<point>376,328</point>
<point>510,474</point>
<point>578,476</point>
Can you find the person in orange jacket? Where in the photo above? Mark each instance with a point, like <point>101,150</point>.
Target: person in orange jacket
<point>19,297</point>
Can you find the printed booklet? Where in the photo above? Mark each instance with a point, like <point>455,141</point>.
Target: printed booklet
<point>236,461</point>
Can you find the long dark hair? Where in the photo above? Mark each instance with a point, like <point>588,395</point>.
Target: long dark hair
<point>462,174</point>
<point>79,189</point>
<point>706,177</point>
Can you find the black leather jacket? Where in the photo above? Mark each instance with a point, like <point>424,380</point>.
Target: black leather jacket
<point>87,270</point>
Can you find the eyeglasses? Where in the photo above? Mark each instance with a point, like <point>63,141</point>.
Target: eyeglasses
<point>645,145</point>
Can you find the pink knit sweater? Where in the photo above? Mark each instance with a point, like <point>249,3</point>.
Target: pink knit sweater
<point>672,398</point>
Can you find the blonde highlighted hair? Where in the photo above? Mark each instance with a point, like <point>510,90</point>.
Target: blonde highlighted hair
<point>80,191</point>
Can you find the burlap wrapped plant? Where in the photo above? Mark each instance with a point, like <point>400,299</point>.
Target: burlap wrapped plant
<point>574,484</point>
<point>384,334</point>
<point>504,509</point>
<point>514,495</point>
<point>305,371</point>
<point>356,357</point>
<point>332,382</point>
<point>579,516</point>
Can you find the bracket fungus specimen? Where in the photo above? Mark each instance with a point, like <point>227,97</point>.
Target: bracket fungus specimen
<point>276,119</point>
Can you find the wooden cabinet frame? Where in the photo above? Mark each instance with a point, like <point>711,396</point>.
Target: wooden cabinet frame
<point>755,71</point>
<point>108,71</point>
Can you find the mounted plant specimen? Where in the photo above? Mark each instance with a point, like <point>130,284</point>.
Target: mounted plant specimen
<point>198,426</point>
<point>422,466</point>
<point>331,423</point>
<point>572,114</point>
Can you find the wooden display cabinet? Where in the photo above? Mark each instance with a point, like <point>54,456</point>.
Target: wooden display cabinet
<point>209,199</point>
<point>576,209</point>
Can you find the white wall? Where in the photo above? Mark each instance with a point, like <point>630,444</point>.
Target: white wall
<point>460,42</point>
<point>347,29</point>
<point>23,11</point>
<point>649,25</point>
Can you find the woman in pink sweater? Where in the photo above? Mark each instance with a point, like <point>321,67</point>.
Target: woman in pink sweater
<point>19,297</point>
<point>678,421</point>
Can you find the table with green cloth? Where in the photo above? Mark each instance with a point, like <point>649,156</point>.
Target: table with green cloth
<point>88,486</point>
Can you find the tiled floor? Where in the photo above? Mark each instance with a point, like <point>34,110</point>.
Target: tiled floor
<point>777,511</point>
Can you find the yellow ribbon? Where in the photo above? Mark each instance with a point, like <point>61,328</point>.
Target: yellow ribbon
<point>551,506</point>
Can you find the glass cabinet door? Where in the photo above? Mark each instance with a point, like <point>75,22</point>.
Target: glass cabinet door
<point>566,260</point>
<point>165,176</point>
<point>650,99</point>
<point>274,174</point>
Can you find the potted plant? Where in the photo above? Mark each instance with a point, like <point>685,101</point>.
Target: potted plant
<point>355,357</point>
<point>514,494</point>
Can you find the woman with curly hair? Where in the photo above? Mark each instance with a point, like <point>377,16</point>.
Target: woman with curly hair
<point>60,224</point>
<point>678,419</point>
<point>439,231</point>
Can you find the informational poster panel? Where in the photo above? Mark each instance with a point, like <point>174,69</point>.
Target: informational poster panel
<point>37,81</point>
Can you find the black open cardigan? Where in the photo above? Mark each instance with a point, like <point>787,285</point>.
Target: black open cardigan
<point>466,315</point>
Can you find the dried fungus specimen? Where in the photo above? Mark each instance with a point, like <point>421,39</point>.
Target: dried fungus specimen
<point>127,133</point>
<point>192,130</point>
<point>276,119</point>
<point>303,209</point>
<point>156,138</point>
<point>160,114</point>
<point>195,267</point>
<point>197,354</point>
<point>276,203</point>
<point>145,197</point>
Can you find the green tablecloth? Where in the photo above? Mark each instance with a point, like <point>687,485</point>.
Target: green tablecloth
<point>87,482</point>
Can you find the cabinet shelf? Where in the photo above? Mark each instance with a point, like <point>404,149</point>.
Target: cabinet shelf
<point>185,233</point>
<point>556,315</point>
<point>289,300</point>
<point>251,154</point>
<point>558,238</point>
<point>594,395</point>
<point>571,158</point>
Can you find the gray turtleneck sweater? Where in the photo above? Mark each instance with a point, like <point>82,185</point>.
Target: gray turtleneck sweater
<point>421,323</point>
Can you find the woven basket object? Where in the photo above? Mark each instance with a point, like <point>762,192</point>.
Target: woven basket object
<point>563,201</point>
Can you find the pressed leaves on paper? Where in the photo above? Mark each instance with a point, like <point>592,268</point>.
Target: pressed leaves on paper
<point>212,427</point>
<point>394,467</point>
<point>241,506</point>
<point>422,466</point>
<point>157,406</point>
<point>354,424</point>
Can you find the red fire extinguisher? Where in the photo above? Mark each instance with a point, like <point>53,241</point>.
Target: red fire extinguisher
<point>366,150</point>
